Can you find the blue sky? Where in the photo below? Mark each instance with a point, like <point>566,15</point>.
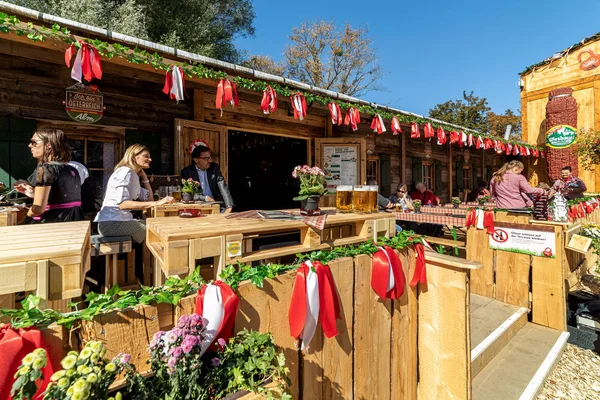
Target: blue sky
<point>433,50</point>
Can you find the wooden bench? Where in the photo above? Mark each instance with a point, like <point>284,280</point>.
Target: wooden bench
<point>111,247</point>
<point>446,242</point>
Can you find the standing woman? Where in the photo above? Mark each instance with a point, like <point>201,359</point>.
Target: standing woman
<point>510,188</point>
<point>55,185</point>
<point>125,194</point>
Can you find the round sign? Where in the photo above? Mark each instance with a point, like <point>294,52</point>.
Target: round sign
<point>561,136</point>
<point>84,103</point>
<point>500,236</point>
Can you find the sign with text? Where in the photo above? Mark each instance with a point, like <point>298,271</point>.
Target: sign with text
<point>588,62</point>
<point>561,136</point>
<point>340,164</point>
<point>533,240</point>
<point>84,103</point>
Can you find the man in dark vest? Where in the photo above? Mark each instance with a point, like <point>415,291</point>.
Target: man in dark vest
<point>212,182</point>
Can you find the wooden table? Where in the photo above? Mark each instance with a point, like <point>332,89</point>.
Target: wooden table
<point>172,210</point>
<point>10,216</point>
<point>432,218</point>
<point>49,259</point>
<point>177,243</point>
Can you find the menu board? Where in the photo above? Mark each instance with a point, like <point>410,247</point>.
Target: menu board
<point>340,164</point>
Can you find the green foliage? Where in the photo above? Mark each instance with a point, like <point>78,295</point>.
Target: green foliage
<point>30,370</point>
<point>470,111</point>
<point>588,148</point>
<point>234,274</point>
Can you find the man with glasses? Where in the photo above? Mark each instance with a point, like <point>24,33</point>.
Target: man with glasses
<point>212,182</point>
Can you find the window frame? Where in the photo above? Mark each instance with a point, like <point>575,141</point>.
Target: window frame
<point>425,178</point>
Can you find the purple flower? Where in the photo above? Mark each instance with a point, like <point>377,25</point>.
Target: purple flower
<point>177,352</point>
<point>204,321</point>
<point>193,340</point>
<point>195,318</point>
<point>221,342</point>
<point>215,362</point>
<point>183,321</point>
<point>158,335</point>
<point>125,358</point>
<point>172,361</point>
<point>187,347</point>
<point>177,331</point>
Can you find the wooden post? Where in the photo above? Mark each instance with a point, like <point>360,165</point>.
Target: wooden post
<point>450,180</point>
<point>402,158</point>
<point>198,105</point>
<point>483,165</point>
<point>328,128</point>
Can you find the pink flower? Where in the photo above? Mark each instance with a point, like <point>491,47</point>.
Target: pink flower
<point>177,352</point>
<point>186,347</point>
<point>193,340</point>
<point>215,362</point>
<point>125,358</point>
<point>172,361</point>
<point>204,321</point>
<point>221,342</point>
<point>158,335</point>
<point>183,320</point>
<point>171,337</point>
<point>195,318</point>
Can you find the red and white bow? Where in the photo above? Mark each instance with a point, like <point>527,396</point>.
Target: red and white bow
<point>420,275</point>
<point>377,124</point>
<point>217,303</point>
<point>352,118</point>
<point>298,105</point>
<point>542,154</point>
<point>470,140</point>
<point>479,142</point>
<point>516,150</point>
<point>269,100</point>
<point>387,277</point>
<point>441,136</point>
<point>87,63</point>
<point>535,152</point>
<point>226,93</point>
<point>396,128</point>
<point>174,84</point>
<point>488,144</point>
<point>415,133</point>
<point>481,219</point>
<point>428,131</point>
<point>196,143</point>
<point>526,150</point>
<point>336,113</point>
<point>509,149</point>
<point>462,139</point>
<point>314,299</point>
<point>454,137</point>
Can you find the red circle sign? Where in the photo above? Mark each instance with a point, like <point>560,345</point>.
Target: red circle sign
<point>500,235</point>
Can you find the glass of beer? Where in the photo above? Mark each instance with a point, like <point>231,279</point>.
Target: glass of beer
<point>176,193</point>
<point>373,192</point>
<point>343,198</point>
<point>360,199</point>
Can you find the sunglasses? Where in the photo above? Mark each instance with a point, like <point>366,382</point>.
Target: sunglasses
<point>34,143</point>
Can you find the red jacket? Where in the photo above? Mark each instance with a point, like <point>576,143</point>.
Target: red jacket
<point>426,197</point>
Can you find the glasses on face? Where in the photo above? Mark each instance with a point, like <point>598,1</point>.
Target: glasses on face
<point>34,143</point>
<point>209,158</point>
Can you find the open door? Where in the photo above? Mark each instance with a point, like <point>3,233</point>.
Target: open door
<point>188,131</point>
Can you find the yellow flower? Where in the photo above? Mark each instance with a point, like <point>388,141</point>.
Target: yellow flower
<point>87,370</point>
<point>96,346</point>
<point>70,391</point>
<point>95,357</point>
<point>28,359</point>
<point>72,353</point>
<point>86,353</point>
<point>40,363</point>
<point>57,375</point>
<point>80,385</point>
<point>118,396</point>
<point>40,353</point>
<point>80,368</point>
<point>110,367</point>
<point>69,361</point>
<point>70,373</point>
<point>92,378</point>
<point>78,396</point>
<point>24,370</point>
<point>63,383</point>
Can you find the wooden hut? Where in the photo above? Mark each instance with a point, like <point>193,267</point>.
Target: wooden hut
<point>576,68</point>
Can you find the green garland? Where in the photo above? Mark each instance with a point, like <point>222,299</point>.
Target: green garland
<point>194,69</point>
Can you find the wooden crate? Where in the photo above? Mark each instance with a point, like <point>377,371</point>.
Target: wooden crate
<point>177,244</point>
<point>172,210</point>
<point>50,259</point>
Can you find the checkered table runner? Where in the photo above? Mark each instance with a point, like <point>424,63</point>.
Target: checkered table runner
<point>425,218</point>
<point>471,205</point>
<point>317,221</point>
<point>444,210</point>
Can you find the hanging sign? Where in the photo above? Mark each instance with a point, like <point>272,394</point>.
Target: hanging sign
<point>84,103</point>
<point>340,164</point>
<point>589,63</point>
<point>538,241</point>
<point>561,136</point>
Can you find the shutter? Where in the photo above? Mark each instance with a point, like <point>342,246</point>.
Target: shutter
<point>459,177</point>
<point>386,174</point>
<point>152,141</point>
<point>417,171</point>
<point>439,185</point>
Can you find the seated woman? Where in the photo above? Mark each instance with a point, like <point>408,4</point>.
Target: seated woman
<point>480,190</point>
<point>125,194</point>
<point>401,197</point>
<point>510,188</point>
<point>55,186</point>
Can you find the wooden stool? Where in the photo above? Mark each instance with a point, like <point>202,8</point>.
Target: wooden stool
<point>111,245</point>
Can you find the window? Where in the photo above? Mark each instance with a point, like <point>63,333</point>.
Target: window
<point>373,169</point>
<point>429,175</point>
<point>467,177</point>
<point>99,155</point>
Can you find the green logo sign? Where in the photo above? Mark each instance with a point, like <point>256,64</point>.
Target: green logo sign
<point>84,103</point>
<point>561,136</point>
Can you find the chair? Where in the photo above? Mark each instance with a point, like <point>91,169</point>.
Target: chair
<point>112,246</point>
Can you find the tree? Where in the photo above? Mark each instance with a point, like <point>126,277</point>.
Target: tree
<point>499,122</point>
<point>264,63</point>
<point>470,111</point>
<point>201,26</point>
<point>343,60</point>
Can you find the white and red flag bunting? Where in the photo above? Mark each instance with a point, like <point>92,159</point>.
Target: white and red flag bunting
<point>462,139</point>
<point>453,137</point>
<point>580,210</point>
<point>470,140</point>
<point>336,113</point>
<point>377,124</point>
<point>420,275</point>
<point>488,144</point>
<point>516,151</point>
<point>298,105</point>
<point>174,84</point>
<point>269,100</point>
<point>428,131</point>
<point>481,219</point>
<point>352,118</point>
<point>196,143</point>
<point>441,136</point>
<point>396,128</point>
<point>535,152</point>
<point>542,154</point>
<point>387,277</point>
<point>314,299</point>
<point>414,131</point>
<point>226,93</point>
<point>479,142</point>
<point>217,303</point>
<point>509,149</point>
<point>526,150</point>
<point>87,63</point>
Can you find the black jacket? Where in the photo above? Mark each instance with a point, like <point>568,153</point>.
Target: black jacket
<point>216,181</point>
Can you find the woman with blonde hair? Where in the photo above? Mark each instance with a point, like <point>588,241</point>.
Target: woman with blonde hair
<point>510,188</point>
<point>125,194</point>
<point>54,186</point>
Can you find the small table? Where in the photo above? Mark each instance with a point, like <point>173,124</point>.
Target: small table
<point>49,259</point>
<point>172,210</point>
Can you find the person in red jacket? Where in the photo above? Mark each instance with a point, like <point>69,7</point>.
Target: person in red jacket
<point>427,197</point>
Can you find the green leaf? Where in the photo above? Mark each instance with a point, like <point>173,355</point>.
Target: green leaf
<point>30,302</point>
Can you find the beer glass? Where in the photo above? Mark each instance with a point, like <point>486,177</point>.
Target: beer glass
<point>373,192</point>
<point>343,198</point>
<point>176,193</point>
<point>360,199</point>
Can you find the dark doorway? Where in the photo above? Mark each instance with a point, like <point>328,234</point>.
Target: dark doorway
<point>260,170</point>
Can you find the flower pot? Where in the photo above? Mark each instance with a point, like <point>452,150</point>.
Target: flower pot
<point>310,206</point>
<point>481,203</point>
<point>417,210</point>
<point>455,205</point>
<point>187,196</point>
<point>197,196</point>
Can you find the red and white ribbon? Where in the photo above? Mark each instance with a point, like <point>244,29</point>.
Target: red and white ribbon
<point>174,84</point>
<point>479,142</point>
<point>396,128</point>
<point>217,303</point>
<point>226,93</point>
<point>377,124</point>
<point>196,143</point>
<point>527,151</point>
<point>428,131</point>
<point>298,105</point>
<point>462,140</point>
<point>387,277</point>
<point>87,62</point>
<point>352,118</point>
<point>420,275</point>
<point>488,144</point>
<point>314,299</point>
<point>454,136</point>
<point>481,219</point>
<point>535,152</point>
<point>516,151</point>
<point>441,136</point>
<point>415,133</point>
<point>470,140</point>
<point>336,113</point>
<point>509,149</point>
<point>269,100</point>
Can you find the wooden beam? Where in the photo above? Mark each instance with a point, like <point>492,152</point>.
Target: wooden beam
<point>328,128</point>
<point>198,105</point>
<point>402,158</point>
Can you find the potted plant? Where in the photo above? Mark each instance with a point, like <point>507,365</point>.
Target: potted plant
<point>482,199</point>
<point>312,187</point>
<point>188,188</point>
<point>417,204</point>
<point>455,201</point>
